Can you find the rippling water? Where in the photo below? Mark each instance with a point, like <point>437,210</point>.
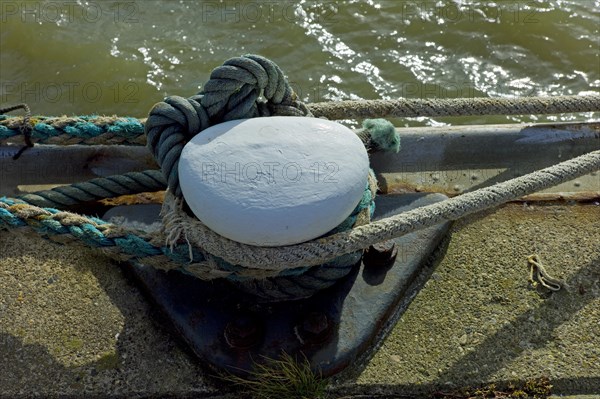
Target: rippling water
<point>82,57</point>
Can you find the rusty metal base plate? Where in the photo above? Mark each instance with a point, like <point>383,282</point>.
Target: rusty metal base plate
<point>335,328</point>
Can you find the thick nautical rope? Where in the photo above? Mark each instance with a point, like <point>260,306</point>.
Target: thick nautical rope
<point>97,189</point>
<point>271,261</point>
<point>456,107</point>
<point>93,129</point>
<point>243,87</point>
<point>70,130</point>
<point>233,92</point>
<point>66,227</point>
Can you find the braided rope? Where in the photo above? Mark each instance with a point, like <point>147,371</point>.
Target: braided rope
<point>99,188</point>
<point>67,227</point>
<point>116,242</point>
<point>93,130</point>
<point>233,92</point>
<point>243,87</point>
<point>247,87</point>
<point>377,135</point>
<point>68,130</point>
<point>455,107</point>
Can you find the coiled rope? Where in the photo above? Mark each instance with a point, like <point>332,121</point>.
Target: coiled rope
<point>243,87</point>
<point>235,90</point>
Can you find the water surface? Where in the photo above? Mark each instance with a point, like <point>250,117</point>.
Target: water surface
<point>120,57</point>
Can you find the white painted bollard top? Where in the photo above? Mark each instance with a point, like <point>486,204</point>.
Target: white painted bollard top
<point>273,181</point>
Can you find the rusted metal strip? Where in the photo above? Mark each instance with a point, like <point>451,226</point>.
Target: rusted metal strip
<point>56,165</point>
<point>581,196</point>
<point>456,159</point>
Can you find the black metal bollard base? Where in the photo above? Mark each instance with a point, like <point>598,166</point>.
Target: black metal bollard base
<point>337,327</point>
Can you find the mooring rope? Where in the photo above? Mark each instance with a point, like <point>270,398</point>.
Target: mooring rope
<point>96,189</point>
<point>246,87</point>
<point>67,227</point>
<point>323,249</point>
<point>273,260</point>
<point>70,130</point>
<point>402,108</point>
<point>94,129</point>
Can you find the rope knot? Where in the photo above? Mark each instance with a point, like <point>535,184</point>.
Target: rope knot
<point>243,87</point>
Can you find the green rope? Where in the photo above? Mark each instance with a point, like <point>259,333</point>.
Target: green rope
<point>123,243</point>
<point>379,135</point>
<point>91,231</point>
<point>89,130</point>
<point>234,91</point>
<point>247,87</point>
<point>117,242</point>
<point>243,87</point>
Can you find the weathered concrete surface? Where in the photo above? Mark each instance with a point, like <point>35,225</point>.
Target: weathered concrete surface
<point>477,320</point>
<point>72,325</point>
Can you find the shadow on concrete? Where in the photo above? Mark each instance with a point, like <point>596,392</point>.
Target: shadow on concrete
<point>28,361</point>
<point>16,366</point>
<point>561,386</point>
<point>494,349</point>
<point>554,311</point>
<point>147,360</point>
<point>150,350</point>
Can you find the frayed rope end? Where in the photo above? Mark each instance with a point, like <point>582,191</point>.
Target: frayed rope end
<point>383,134</point>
